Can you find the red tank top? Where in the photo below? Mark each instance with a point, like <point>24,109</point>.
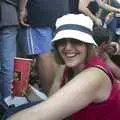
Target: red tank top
<point>107,110</point>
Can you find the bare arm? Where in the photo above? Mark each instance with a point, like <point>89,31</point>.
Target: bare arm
<point>113,66</point>
<point>107,7</point>
<point>83,7</point>
<point>115,69</point>
<point>22,4</point>
<point>23,12</point>
<point>74,96</point>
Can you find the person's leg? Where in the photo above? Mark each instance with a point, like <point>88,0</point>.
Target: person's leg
<point>46,68</point>
<point>37,41</point>
<point>7,54</point>
<point>45,62</point>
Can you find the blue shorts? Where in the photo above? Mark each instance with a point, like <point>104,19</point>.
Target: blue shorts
<point>36,40</point>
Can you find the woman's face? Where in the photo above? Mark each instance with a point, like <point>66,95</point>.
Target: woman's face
<point>72,51</point>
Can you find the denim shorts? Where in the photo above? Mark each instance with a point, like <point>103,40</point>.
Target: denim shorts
<point>36,41</point>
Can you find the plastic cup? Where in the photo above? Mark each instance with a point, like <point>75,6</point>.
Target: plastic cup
<point>22,67</point>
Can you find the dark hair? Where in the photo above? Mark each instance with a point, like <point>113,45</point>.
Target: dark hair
<point>101,35</point>
<point>93,7</point>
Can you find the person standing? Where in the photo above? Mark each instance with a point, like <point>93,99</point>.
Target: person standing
<point>37,18</point>
<point>8,32</point>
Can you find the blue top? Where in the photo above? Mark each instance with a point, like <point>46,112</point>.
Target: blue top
<point>45,12</point>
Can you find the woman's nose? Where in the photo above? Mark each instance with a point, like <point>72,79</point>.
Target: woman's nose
<point>68,45</point>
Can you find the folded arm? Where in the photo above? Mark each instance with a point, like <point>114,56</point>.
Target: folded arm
<point>83,7</point>
<point>107,7</point>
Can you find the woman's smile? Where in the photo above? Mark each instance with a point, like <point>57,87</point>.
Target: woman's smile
<point>73,53</point>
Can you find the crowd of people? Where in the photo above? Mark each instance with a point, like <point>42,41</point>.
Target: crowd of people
<point>85,36</point>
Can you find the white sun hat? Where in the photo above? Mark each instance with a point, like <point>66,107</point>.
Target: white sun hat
<point>76,26</point>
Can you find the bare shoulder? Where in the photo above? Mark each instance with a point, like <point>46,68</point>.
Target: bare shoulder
<point>98,81</point>
<point>96,73</point>
<point>93,79</point>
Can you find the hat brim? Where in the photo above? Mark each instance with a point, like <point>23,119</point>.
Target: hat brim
<point>84,37</point>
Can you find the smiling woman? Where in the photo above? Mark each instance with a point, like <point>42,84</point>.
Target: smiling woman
<point>73,53</point>
<point>89,90</point>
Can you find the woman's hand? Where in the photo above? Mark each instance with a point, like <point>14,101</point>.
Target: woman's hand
<point>114,48</point>
<point>98,21</point>
<point>23,17</point>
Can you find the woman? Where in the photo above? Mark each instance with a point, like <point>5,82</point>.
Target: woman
<point>88,88</point>
<point>86,9</point>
